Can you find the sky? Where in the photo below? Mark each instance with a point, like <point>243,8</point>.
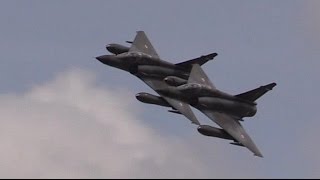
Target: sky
<point>66,115</point>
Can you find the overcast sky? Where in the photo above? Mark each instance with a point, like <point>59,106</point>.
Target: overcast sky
<point>64,114</point>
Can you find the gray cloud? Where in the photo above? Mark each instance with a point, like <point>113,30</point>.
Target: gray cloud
<point>71,128</point>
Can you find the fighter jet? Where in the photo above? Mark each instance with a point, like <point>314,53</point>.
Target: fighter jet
<point>141,57</point>
<point>224,109</point>
<point>142,60</point>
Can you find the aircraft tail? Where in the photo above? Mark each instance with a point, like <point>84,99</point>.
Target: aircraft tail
<point>200,60</point>
<point>255,94</point>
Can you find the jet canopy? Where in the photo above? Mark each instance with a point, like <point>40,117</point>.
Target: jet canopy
<point>134,55</point>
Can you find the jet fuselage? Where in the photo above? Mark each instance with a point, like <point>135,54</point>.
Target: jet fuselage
<point>202,97</point>
<point>137,62</point>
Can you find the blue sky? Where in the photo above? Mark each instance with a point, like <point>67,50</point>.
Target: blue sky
<point>258,42</point>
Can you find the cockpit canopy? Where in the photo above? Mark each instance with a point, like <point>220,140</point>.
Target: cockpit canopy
<point>134,54</point>
<point>193,86</point>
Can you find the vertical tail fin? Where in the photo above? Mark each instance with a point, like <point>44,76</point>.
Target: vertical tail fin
<point>200,60</point>
<point>255,94</point>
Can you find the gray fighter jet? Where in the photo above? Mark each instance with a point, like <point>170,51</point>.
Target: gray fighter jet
<point>224,109</point>
<point>141,57</point>
<point>142,60</point>
<point>178,89</point>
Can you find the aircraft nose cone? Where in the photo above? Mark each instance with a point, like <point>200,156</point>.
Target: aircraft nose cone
<point>100,58</point>
<point>105,58</point>
<point>110,48</point>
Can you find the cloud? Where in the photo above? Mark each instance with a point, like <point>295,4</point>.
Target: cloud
<point>71,128</point>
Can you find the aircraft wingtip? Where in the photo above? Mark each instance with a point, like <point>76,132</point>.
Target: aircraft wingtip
<point>259,155</point>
